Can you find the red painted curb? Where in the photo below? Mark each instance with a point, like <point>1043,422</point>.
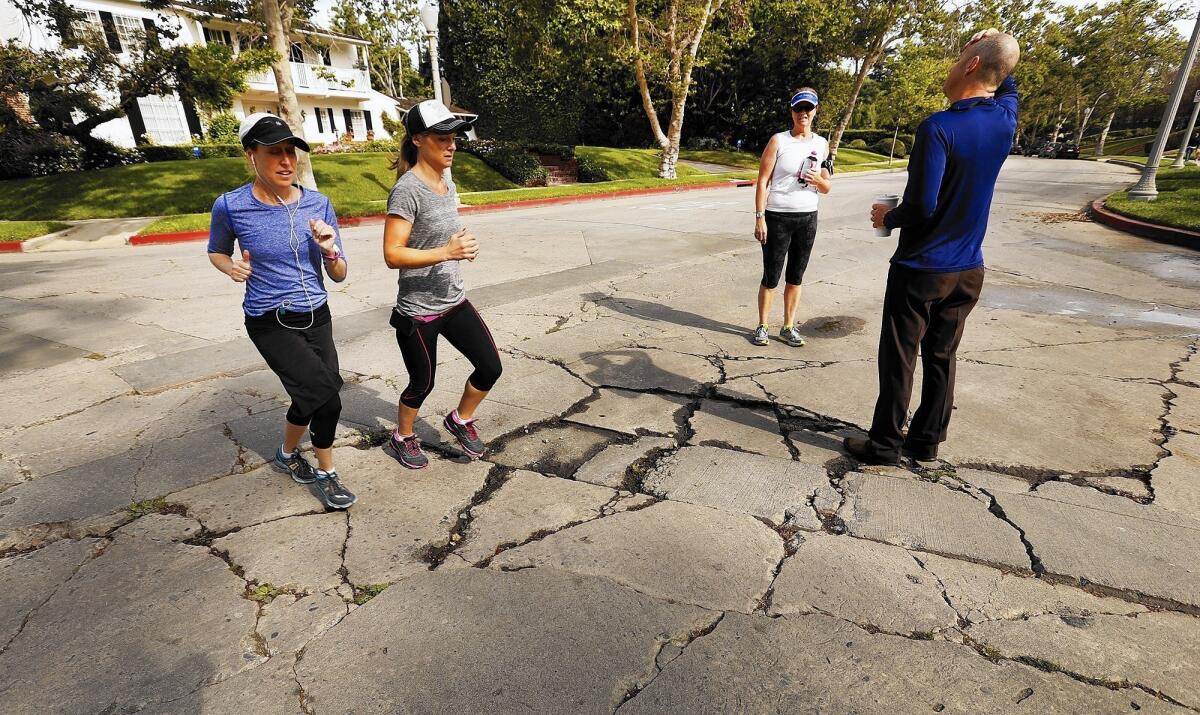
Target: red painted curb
<point>10,247</point>
<point>157,238</point>
<point>153,238</point>
<point>1166,234</point>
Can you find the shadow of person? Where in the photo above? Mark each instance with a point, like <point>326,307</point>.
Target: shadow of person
<point>657,312</point>
<point>635,369</point>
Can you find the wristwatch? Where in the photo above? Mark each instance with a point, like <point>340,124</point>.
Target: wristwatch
<point>759,214</point>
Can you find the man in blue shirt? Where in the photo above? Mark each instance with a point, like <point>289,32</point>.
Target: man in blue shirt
<point>937,270</point>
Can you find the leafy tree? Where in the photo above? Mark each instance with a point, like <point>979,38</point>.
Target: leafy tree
<point>665,42</point>
<point>911,83</point>
<point>875,27</point>
<point>87,81</point>
<point>391,26</point>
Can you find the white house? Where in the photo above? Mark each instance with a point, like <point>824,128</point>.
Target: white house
<point>333,89</point>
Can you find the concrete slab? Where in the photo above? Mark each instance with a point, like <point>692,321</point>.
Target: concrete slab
<point>269,689</point>
<point>526,505</point>
<point>87,651</point>
<point>815,663</point>
<point>1107,355</point>
<point>721,424</point>
<point>865,582</point>
<point>288,624</point>
<point>1185,409</point>
<point>608,468</point>
<point>684,553</point>
<point>1159,651</point>
<point>1086,536</point>
<point>401,514</point>
<point>299,553</point>
<point>981,593</point>
<point>557,450</point>
<point>241,500</point>
<point>1176,479</point>
<point>517,636</point>
<point>928,517</point>
<point>641,369</point>
<point>632,413</point>
<point>31,579</point>
<point>162,527</point>
<point>766,487</point>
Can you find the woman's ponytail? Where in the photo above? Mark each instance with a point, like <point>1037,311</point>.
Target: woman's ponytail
<point>406,159</point>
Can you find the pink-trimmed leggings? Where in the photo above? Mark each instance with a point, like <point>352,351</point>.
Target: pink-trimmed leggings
<point>465,330</point>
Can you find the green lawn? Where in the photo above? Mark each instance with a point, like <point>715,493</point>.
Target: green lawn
<point>724,157</point>
<point>354,182</point>
<point>630,163</point>
<point>847,159</point>
<point>1178,202</point>
<point>11,231</point>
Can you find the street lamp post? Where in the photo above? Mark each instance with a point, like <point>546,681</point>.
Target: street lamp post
<point>1187,134</point>
<point>1145,189</point>
<point>429,18</point>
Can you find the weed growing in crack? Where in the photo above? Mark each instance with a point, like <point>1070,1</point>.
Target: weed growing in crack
<point>263,593</point>
<point>157,505</point>
<point>362,594</point>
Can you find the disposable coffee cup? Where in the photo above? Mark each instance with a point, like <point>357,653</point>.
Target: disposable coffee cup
<point>891,201</point>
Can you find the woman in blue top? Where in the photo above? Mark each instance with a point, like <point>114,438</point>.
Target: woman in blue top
<point>286,234</point>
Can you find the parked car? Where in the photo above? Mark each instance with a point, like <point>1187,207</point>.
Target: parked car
<point>1016,148</point>
<point>1050,150</point>
<point>1068,150</point>
<point>1035,149</point>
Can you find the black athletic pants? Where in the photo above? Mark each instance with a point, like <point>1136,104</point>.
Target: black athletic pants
<point>306,362</point>
<point>790,239</point>
<point>465,330</point>
<point>929,311</point>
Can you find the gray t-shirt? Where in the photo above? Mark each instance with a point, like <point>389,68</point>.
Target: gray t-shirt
<point>434,218</point>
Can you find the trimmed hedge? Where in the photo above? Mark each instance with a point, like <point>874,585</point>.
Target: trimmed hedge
<point>510,159</point>
<point>884,147</point>
<point>562,151</point>
<point>857,144</point>
<point>375,145</point>
<point>874,136</point>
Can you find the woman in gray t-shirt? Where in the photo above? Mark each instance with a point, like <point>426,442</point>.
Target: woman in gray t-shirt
<point>424,240</point>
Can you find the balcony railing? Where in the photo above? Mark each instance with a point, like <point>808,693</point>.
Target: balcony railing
<point>317,78</point>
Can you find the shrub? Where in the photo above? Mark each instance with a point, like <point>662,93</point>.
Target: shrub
<point>211,151</point>
<point>884,147</point>
<point>857,144</point>
<point>705,143</point>
<point>393,126</point>
<point>100,154</point>
<point>562,151</point>
<point>874,136</point>
<point>381,145</point>
<point>510,159</point>
<point>222,129</point>
<point>37,154</point>
<point>589,171</point>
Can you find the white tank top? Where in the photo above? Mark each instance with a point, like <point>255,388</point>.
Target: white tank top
<point>793,156</point>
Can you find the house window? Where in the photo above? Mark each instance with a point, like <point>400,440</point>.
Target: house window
<point>89,26</point>
<point>131,31</point>
<point>164,121</point>
<point>358,124</point>
<point>325,58</point>
<point>222,37</point>
<point>296,53</point>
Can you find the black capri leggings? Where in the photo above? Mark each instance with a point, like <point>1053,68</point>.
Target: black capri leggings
<point>306,362</point>
<point>465,330</point>
<point>790,236</point>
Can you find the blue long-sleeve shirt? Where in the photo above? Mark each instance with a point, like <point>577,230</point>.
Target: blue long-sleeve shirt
<point>951,177</point>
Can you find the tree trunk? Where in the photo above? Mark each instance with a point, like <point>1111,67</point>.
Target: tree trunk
<point>895,133</point>
<point>864,69</point>
<point>639,70</point>
<point>278,19</point>
<point>1087,115</point>
<point>1104,133</point>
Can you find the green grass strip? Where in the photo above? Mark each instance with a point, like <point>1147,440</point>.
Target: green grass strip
<point>14,231</point>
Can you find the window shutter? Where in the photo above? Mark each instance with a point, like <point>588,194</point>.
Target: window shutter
<point>325,57</point>
<point>151,32</point>
<point>320,125</point>
<point>228,38</point>
<point>207,35</point>
<point>193,119</point>
<point>136,122</point>
<point>349,120</point>
<point>110,31</point>
<point>367,119</point>
<point>332,126</point>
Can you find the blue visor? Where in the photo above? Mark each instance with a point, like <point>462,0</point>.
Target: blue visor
<point>805,96</point>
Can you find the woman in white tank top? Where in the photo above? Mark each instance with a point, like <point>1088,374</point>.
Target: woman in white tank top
<point>794,171</point>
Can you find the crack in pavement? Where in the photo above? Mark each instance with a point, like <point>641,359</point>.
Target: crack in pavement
<point>692,637</point>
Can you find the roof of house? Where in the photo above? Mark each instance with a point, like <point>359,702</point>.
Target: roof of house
<point>407,103</point>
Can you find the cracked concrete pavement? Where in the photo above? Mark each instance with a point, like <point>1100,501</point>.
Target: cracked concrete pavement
<point>665,522</point>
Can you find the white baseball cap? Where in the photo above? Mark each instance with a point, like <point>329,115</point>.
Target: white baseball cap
<point>432,116</point>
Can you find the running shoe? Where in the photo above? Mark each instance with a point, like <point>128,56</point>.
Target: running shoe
<point>466,434</point>
<point>331,490</point>
<point>406,451</point>
<point>293,464</point>
<point>791,336</point>
<point>760,336</point>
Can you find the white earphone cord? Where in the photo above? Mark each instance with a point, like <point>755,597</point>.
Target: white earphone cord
<point>294,243</point>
